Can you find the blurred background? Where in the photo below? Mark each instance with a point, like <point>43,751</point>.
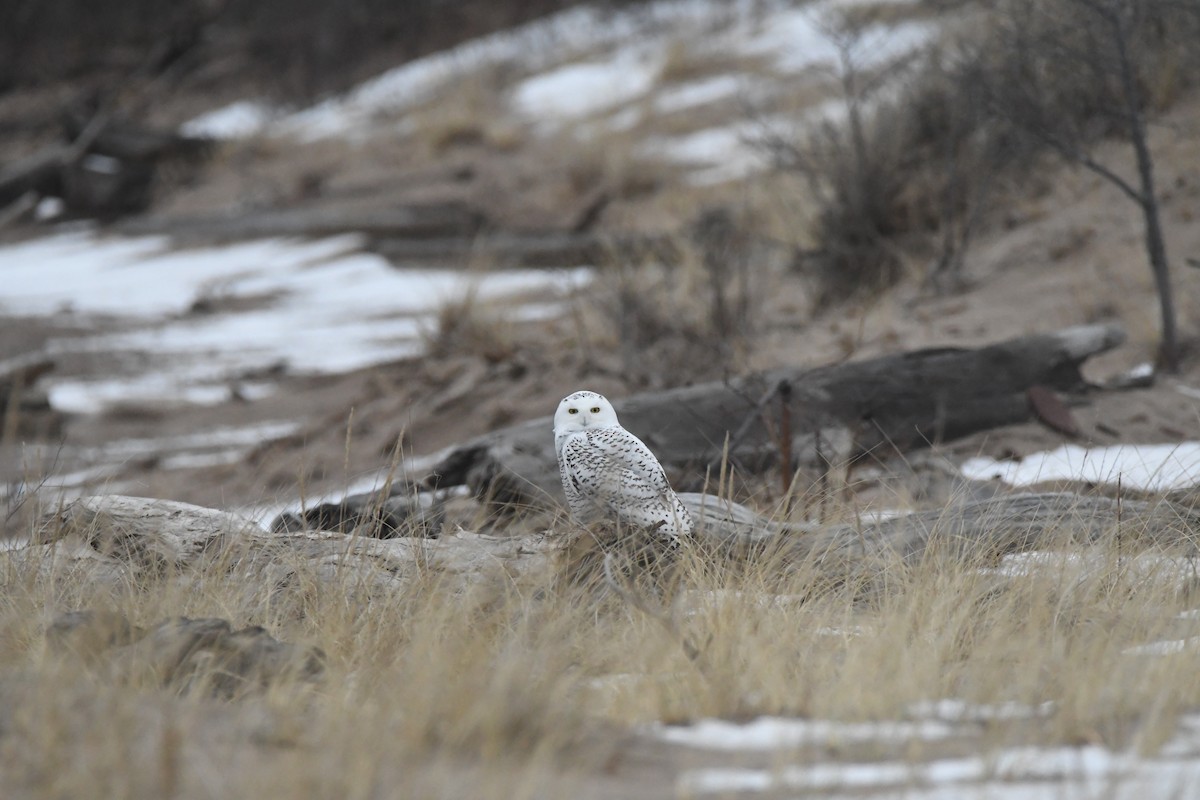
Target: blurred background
<point>247,247</point>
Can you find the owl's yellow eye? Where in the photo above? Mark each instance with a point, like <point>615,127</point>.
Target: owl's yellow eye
<point>572,410</point>
<point>595,409</point>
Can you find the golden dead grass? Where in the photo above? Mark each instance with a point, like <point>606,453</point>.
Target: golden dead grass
<point>504,689</point>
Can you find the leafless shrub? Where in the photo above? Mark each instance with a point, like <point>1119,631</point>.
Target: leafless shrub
<point>1071,72</point>
<point>916,165</point>
<point>689,309</point>
<point>467,327</point>
<point>858,169</point>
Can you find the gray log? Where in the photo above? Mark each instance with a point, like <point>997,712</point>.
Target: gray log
<point>114,536</point>
<point>527,249</point>
<point>414,222</point>
<point>978,528</point>
<point>166,538</point>
<point>838,412</point>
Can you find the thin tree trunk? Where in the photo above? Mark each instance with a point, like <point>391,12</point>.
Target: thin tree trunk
<point>1156,249</point>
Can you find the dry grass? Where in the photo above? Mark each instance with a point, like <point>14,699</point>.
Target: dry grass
<point>443,689</point>
<point>688,60</point>
<point>470,326</point>
<point>467,113</point>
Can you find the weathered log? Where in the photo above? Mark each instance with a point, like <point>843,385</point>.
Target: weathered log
<point>129,140</point>
<point>404,512</point>
<point>115,536</point>
<point>839,412</point>
<point>415,222</point>
<point>528,249</point>
<point>40,173</point>
<point>986,528</point>
<point>158,535</point>
<point>117,179</point>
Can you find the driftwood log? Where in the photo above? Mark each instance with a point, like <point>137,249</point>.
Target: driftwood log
<point>114,537</point>
<point>106,169</point>
<point>992,527</point>
<point>549,248</point>
<point>835,414</point>
<point>409,222</point>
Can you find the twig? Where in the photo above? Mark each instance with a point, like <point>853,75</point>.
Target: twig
<point>785,441</point>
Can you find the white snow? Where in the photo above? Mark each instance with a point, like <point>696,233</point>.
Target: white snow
<point>1155,468</point>
<point>720,154</point>
<point>776,733</point>
<point>1177,572</point>
<point>1141,371</point>
<point>49,208</point>
<point>580,90</point>
<point>221,444</point>
<point>803,37</point>
<point>220,437</point>
<point>1023,773</point>
<point>316,307</point>
<point>1165,647</point>
<point>532,49</point>
<point>955,710</point>
<point>1014,773</point>
<point>586,60</point>
<point>699,93</point>
<point>237,120</point>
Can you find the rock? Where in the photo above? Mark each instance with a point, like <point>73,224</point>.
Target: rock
<point>88,634</point>
<point>183,653</point>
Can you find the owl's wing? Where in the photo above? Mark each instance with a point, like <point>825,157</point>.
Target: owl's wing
<point>623,471</point>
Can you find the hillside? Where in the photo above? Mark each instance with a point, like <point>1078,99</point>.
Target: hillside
<point>325,291</point>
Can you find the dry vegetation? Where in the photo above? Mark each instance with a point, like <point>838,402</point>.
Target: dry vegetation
<point>920,165</point>
<point>519,687</point>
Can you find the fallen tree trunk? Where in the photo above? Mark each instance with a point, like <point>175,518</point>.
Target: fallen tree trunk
<point>412,222</point>
<point>835,413</point>
<point>113,537</point>
<point>39,173</point>
<point>986,528</point>
<point>529,249</point>
<point>129,151</point>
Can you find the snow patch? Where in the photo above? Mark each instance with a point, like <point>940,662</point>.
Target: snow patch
<point>313,307</point>
<point>582,61</point>
<point>237,120</point>
<point>580,90</point>
<point>775,733</point>
<point>1017,773</point>
<point>699,93</point>
<point>1165,647</point>
<point>1154,468</point>
<point>955,710</point>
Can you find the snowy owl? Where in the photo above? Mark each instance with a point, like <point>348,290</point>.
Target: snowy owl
<point>608,473</point>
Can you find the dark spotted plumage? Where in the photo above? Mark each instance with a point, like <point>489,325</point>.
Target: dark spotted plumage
<point>608,473</point>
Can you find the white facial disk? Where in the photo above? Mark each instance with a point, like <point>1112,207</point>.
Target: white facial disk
<point>584,410</point>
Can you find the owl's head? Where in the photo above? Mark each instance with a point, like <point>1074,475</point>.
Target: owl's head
<point>583,410</point>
